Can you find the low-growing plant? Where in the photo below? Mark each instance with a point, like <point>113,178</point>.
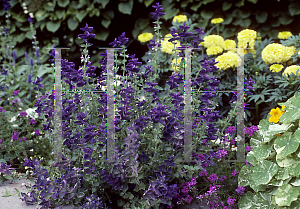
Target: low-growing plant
<point>273,174</point>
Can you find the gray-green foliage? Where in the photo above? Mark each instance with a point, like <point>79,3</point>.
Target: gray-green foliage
<point>275,159</point>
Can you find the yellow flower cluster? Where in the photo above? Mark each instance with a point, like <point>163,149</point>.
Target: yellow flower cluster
<point>217,20</point>
<point>213,40</point>
<point>291,69</point>
<point>229,45</point>
<point>228,60</point>
<point>175,64</point>
<point>246,36</point>
<point>277,53</point>
<point>276,114</point>
<point>276,68</point>
<point>167,46</point>
<point>284,34</point>
<point>214,50</point>
<point>144,37</point>
<point>180,18</point>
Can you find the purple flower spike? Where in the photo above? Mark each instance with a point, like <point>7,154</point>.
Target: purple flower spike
<point>14,55</point>
<point>157,14</point>
<point>26,56</point>
<point>31,62</point>
<point>37,53</point>
<point>86,34</point>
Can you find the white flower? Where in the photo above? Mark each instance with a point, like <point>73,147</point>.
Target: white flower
<point>15,125</point>
<point>13,119</point>
<point>31,112</point>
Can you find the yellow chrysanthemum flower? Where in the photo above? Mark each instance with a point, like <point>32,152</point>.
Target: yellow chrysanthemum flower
<point>213,40</point>
<point>299,53</point>
<point>167,46</point>
<point>214,50</point>
<point>229,45</point>
<point>284,34</point>
<point>276,114</point>
<point>276,68</point>
<point>175,64</point>
<point>144,37</point>
<point>277,53</point>
<point>180,18</point>
<point>246,36</point>
<point>217,20</point>
<point>291,69</point>
<point>228,60</point>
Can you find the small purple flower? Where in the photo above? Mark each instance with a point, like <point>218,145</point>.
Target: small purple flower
<point>240,190</point>
<point>230,201</point>
<point>16,92</point>
<point>4,72</point>
<point>15,101</point>
<point>248,148</point>
<point>230,129</point>
<point>32,121</point>
<point>234,173</point>
<point>6,31</point>
<point>37,132</point>
<point>24,138</point>
<point>1,141</point>
<point>6,5</point>
<point>15,135</point>
<point>1,109</point>
<point>203,173</point>
<point>213,177</point>
<point>23,114</point>
<point>30,20</point>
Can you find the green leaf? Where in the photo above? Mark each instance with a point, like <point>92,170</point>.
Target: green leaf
<point>285,20</point>
<point>286,144</point>
<point>80,15</point>
<point>49,6</point>
<point>244,14</point>
<point>63,3</point>
<point>108,14</point>
<point>286,194</point>
<point>261,17</point>
<point>106,23</point>
<point>102,35</point>
<point>206,14</point>
<point>226,6</point>
<point>292,109</point>
<point>143,23</point>
<point>72,23</point>
<point>294,8</point>
<point>120,203</point>
<point>148,2</point>
<point>126,8</point>
<point>228,32</point>
<point>60,13</point>
<point>53,26</point>
<point>104,3</point>
<point>246,23</point>
<point>253,1</point>
<point>264,172</point>
<point>41,15</point>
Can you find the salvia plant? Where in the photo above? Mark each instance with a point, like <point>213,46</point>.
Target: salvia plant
<point>149,124</point>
